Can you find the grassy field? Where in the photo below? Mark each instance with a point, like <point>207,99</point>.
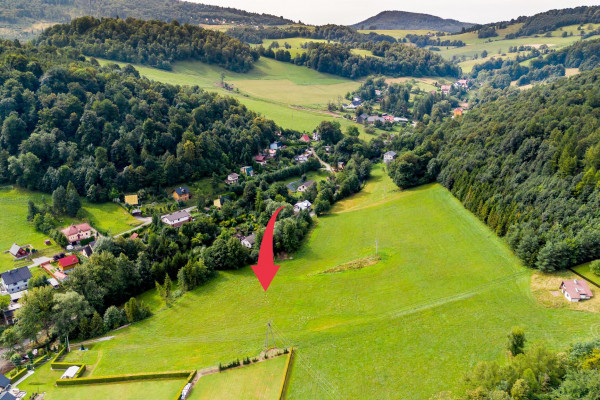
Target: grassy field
<point>255,382</point>
<point>14,228</point>
<point>397,33</point>
<point>584,269</point>
<point>442,298</point>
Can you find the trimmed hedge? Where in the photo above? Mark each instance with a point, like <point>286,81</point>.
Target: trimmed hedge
<point>39,360</point>
<point>189,380</point>
<point>286,375</point>
<point>18,375</point>
<point>123,378</point>
<point>65,365</point>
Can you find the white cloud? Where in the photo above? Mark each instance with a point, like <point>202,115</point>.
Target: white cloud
<point>352,11</point>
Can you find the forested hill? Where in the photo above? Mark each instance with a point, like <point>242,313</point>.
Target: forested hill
<point>529,166</point>
<point>108,131</point>
<point>547,21</point>
<point>20,18</point>
<point>412,21</point>
<point>154,43</point>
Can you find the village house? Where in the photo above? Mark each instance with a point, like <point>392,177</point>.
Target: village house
<point>302,206</point>
<point>260,160</point>
<point>68,263</point>
<point>389,157</point>
<point>362,118</point>
<point>247,170</point>
<point>132,199</point>
<point>371,120</point>
<point>181,194</point>
<point>462,83</point>
<point>275,145</point>
<point>232,178</point>
<point>458,112</point>
<point>378,92</point>
<point>316,136</point>
<point>134,236</point>
<point>87,251</point>
<point>327,149</point>
<point>4,382</point>
<point>302,158</point>
<point>249,241</point>
<point>272,153</point>
<point>305,138</point>
<point>220,201</point>
<point>446,89</point>
<point>136,212</point>
<point>17,251</point>
<point>75,233</point>
<point>177,218</point>
<point>340,165</point>
<point>400,120</point>
<point>576,290</point>
<point>16,280</point>
<point>388,118</point>
<point>305,186</point>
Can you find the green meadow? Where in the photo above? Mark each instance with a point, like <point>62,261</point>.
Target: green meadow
<point>294,97</point>
<point>260,381</point>
<point>14,227</point>
<point>442,298</point>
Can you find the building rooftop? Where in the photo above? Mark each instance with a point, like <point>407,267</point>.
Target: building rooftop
<point>16,275</point>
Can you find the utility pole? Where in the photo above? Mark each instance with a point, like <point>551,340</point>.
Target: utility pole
<point>269,331</point>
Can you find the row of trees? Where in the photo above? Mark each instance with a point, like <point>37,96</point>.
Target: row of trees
<point>155,43</point>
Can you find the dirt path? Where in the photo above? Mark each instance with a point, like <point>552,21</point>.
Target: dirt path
<point>323,163</point>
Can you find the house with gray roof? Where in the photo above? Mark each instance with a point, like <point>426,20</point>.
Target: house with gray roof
<point>16,280</point>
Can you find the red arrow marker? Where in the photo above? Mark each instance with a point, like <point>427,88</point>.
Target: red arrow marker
<point>266,269</point>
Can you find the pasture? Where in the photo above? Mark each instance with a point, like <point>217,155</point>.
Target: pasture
<point>442,298</point>
<point>253,382</point>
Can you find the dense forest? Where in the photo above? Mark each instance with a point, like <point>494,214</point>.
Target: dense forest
<point>527,164</point>
<point>154,43</point>
<point>393,59</point>
<point>338,33</point>
<point>19,17</point>
<point>108,130</point>
<point>543,22</point>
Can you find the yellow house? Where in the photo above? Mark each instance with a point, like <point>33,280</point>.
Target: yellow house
<point>181,194</point>
<point>131,199</point>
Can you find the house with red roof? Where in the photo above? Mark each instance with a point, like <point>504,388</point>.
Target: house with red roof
<point>260,159</point>
<point>68,263</point>
<point>305,138</point>
<point>576,290</point>
<point>75,233</point>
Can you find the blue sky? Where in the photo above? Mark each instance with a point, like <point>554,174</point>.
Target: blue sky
<point>352,11</point>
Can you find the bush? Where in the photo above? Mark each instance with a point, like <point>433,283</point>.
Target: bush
<point>123,378</point>
<point>595,267</point>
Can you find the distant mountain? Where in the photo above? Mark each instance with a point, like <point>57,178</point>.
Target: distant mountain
<point>408,20</point>
<point>23,19</point>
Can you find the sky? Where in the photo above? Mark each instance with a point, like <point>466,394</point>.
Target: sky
<point>346,12</point>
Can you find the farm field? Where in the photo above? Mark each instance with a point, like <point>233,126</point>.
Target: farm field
<point>15,228</point>
<point>260,381</point>
<point>397,33</point>
<point>294,97</point>
<point>443,297</point>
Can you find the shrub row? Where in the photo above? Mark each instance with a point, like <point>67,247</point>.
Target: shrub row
<point>18,375</point>
<point>40,360</point>
<point>189,380</point>
<point>123,378</point>
<point>286,374</point>
<point>64,365</point>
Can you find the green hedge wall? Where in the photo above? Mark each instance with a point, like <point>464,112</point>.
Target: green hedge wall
<point>18,375</point>
<point>189,379</point>
<point>123,378</point>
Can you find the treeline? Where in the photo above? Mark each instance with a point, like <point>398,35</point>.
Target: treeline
<point>109,131</point>
<point>337,33</point>
<point>394,59</point>
<point>584,55</point>
<point>427,40</point>
<point>154,43</point>
<point>527,165</point>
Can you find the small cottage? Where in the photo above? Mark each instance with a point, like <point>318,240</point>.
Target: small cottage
<point>181,193</point>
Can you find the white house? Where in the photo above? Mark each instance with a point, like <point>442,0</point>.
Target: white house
<point>316,136</point>
<point>389,157</point>
<point>305,186</point>
<point>16,280</point>
<point>232,178</point>
<point>249,241</point>
<point>301,158</point>
<point>177,219</point>
<point>576,290</point>
<point>301,206</point>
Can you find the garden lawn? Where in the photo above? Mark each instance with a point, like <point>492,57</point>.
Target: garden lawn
<point>109,218</point>
<point>443,297</point>
<point>44,378</point>
<point>260,381</point>
<point>584,269</point>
